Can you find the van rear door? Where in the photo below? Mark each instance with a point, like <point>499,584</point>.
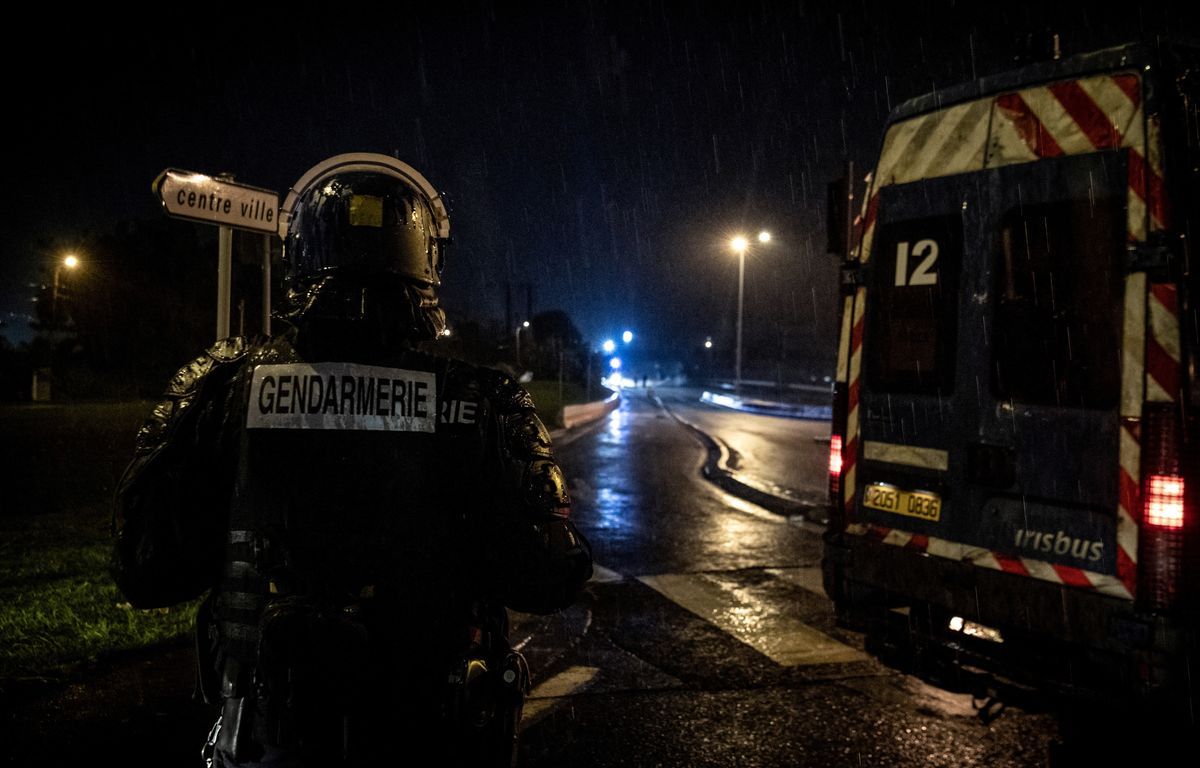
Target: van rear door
<point>991,366</point>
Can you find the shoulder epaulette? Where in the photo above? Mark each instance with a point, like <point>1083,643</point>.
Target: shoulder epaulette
<point>225,351</point>
<point>507,393</point>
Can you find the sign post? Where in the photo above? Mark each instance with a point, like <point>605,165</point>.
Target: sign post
<point>197,197</point>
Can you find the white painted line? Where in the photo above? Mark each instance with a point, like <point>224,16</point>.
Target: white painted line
<point>602,575</point>
<point>749,508</point>
<point>909,455</point>
<point>548,695</point>
<point>753,616</point>
<point>581,490</point>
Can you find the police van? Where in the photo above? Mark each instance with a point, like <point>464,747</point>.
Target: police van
<point>1013,459</point>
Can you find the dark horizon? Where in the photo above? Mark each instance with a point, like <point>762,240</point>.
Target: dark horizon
<point>603,154</point>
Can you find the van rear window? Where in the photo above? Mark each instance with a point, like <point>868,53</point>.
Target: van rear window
<point>912,316</point>
<point>1058,304</point>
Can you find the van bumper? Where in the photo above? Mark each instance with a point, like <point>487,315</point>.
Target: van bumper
<point>1054,637</point>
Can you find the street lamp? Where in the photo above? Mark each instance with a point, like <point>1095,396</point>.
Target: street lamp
<point>517,335</point>
<point>740,245</point>
<point>70,261</point>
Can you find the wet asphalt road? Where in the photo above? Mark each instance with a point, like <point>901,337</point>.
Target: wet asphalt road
<point>706,639</point>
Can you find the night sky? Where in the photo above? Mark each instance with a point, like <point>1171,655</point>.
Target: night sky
<point>602,152</point>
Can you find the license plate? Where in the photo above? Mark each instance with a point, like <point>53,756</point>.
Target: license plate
<point>889,498</point>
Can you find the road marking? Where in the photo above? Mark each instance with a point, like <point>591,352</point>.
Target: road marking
<point>753,615</point>
<point>548,695</point>
<point>602,575</point>
<point>748,507</point>
<point>807,578</point>
<point>582,491</point>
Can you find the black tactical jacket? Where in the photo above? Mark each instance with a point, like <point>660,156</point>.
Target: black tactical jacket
<point>292,468</point>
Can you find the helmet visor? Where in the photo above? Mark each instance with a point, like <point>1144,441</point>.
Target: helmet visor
<point>368,223</point>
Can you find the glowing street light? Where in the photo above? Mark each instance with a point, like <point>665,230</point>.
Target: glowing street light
<point>615,363</point>
<point>740,245</point>
<point>608,346</point>
<point>71,262</point>
<point>517,335</point>
<point>708,343</point>
<point>627,336</point>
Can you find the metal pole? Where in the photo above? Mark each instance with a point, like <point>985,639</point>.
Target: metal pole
<point>266,286</point>
<point>54,295</point>
<point>224,272</point>
<point>224,279</point>
<point>517,334</point>
<point>849,209</point>
<point>737,381</point>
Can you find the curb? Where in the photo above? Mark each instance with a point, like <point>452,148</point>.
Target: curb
<point>716,470</point>
<point>585,413</point>
<point>594,411</point>
<point>768,408</point>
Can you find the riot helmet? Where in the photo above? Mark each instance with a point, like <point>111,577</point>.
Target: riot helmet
<point>365,225</point>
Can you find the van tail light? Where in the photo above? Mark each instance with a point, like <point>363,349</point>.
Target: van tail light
<point>835,467</point>
<point>1165,512</point>
<point>836,445</point>
<point>1164,501</point>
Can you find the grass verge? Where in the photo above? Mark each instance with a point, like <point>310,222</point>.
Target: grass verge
<point>59,609</point>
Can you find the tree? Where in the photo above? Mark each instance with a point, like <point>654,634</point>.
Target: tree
<point>140,304</point>
<point>557,347</point>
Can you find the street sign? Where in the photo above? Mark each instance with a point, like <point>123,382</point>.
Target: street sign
<point>194,196</point>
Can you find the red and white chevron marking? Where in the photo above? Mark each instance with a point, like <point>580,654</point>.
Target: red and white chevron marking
<point>1129,501</point>
<point>985,558</point>
<point>1066,118</point>
<point>1080,116</point>
<point>1163,374</point>
<point>853,438</point>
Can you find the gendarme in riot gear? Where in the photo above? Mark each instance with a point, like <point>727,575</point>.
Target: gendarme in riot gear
<point>359,511</point>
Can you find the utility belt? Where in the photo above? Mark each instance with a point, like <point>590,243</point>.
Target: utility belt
<point>324,684</point>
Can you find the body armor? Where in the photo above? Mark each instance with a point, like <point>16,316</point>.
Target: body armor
<point>362,524</point>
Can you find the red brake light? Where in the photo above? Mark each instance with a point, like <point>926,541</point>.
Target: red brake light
<point>835,464</point>
<point>835,455</point>
<point>1164,501</point>
<point>1165,512</point>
